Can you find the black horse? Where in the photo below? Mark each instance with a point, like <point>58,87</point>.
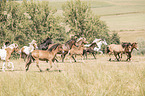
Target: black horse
<point>44,45</point>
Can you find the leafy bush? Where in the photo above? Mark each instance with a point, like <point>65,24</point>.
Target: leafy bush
<point>141,46</point>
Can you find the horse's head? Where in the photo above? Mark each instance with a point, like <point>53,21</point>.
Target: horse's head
<point>104,42</point>
<point>134,45</point>
<point>15,47</point>
<point>96,40</point>
<point>81,41</point>
<point>127,47</point>
<point>34,44</point>
<point>60,48</point>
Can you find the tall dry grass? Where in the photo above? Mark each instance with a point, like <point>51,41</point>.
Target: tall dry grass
<point>93,78</point>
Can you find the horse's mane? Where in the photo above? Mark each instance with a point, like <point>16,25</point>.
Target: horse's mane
<point>45,40</point>
<point>67,42</point>
<point>53,47</point>
<point>92,44</point>
<point>124,44</point>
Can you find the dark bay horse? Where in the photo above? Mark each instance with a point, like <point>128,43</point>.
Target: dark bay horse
<point>90,49</point>
<point>44,45</point>
<point>44,55</point>
<point>119,50</point>
<point>128,53</point>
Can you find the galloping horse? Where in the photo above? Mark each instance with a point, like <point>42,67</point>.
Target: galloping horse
<point>78,50</point>
<point>66,47</point>
<point>133,46</point>
<point>45,43</point>
<point>90,49</point>
<point>26,50</point>
<point>5,54</point>
<point>99,44</point>
<point>119,50</point>
<point>44,56</point>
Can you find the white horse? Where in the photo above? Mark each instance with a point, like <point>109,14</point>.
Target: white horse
<point>95,41</point>
<point>99,44</point>
<point>26,50</point>
<point>5,54</point>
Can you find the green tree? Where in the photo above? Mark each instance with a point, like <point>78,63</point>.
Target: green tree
<point>82,22</point>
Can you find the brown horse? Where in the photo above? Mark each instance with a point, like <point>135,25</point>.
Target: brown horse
<point>44,56</point>
<point>119,50</point>
<point>78,50</point>
<point>90,49</point>
<point>133,46</point>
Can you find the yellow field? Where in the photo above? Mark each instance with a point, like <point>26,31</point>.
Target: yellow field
<point>93,78</point>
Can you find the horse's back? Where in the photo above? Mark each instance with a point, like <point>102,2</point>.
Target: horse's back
<point>3,53</point>
<point>115,48</point>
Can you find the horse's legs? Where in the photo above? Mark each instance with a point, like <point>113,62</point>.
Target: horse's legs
<point>3,69</point>
<point>74,58</point>
<point>50,61</point>
<point>94,55</point>
<point>28,62</point>
<point>11,64</point>
<point>115,54</point>
<point>37,64</point>
<point>57,67</point>
<point>110,55</point>
<point>63,56</point>
<point>82,58</point>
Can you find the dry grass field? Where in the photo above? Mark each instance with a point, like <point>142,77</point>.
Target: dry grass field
<point>93,78</point>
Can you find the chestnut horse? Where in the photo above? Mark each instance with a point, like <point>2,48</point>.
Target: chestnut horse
<point>5,54</point>
<point>119,50</point>
<point>44,56</point>
<point>78,50</point>
<point>133,46</point>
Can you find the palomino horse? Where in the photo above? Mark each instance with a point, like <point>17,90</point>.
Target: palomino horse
<point>78,50</point>
<point>119,50</point>
<point>99,44</point>
<point>26,50</point>
<point>44,45</point>
<point>133,46</point>
<point>44,56</point>
<point>5,54</point>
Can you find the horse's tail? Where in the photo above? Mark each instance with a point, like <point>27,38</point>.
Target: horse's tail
<point>107,50</point>
<point>29,60</point>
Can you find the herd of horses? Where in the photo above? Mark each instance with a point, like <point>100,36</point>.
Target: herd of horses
<point>48,50</point>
